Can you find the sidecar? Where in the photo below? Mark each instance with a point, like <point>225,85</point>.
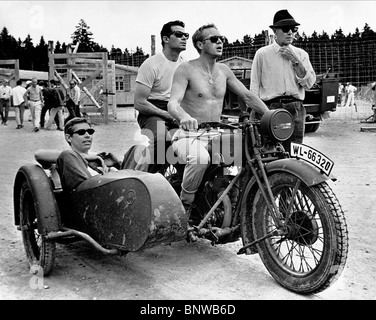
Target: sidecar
<point>117,213</point>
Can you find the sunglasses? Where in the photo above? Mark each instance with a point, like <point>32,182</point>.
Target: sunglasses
<point>82,132</point>
<point>288,28</point>
<point>179,34</point>
<point>214,39</point>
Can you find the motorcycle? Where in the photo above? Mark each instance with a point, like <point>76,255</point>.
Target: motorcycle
<point>280,206</point>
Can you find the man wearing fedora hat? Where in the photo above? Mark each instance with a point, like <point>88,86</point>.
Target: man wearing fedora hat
<point>281,73</point>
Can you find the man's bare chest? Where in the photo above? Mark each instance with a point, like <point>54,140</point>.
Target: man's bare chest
<point>207,86</point>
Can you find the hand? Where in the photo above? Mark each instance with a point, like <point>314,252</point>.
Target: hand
<point>170,118</point>
<point>188,123</point>
<point>287,54</point>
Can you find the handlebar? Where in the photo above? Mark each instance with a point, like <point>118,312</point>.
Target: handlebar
<point>208,125</point>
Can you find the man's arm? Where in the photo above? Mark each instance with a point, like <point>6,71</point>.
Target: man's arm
<point>26,96</point>
<point>41,96</point>
<point>256,74</point>
<point>142,104</point>
<point>301,65</point>
<point>179,87</point>
<point>77,95</point>
<point>251,100</point>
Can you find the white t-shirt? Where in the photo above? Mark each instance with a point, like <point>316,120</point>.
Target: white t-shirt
<point>156,73</point>
<point>17,93</point>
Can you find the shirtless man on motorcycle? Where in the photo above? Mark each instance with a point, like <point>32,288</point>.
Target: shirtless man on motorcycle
<point>198,89</point>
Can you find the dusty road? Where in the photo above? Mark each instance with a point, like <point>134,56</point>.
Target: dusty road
<point>182,270</point>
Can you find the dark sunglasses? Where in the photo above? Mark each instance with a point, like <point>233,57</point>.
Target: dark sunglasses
<point>214,39</point>
<point>179,34</point>
<point>82,132</point>
<point>288,28</point>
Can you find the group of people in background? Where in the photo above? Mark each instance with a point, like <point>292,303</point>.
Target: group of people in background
<point>40,98</point>
<point>346,94</point>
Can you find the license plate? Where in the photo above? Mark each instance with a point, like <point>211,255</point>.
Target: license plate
<point>313,156</point>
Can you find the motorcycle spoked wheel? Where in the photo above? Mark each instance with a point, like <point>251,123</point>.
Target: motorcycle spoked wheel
<point>39,252</point>
<point>314,251</point>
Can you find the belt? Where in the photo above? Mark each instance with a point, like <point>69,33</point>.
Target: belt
<point>34,100</point>
<point>282,99</point>
<point>208,125</point>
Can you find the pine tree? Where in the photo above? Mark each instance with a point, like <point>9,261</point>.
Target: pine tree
<point>84,37</point>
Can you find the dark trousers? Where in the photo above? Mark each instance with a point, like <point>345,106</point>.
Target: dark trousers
<point>157,130</point>
<point>298,112</point>
<point>43,116</point>
<point>73,110</point>
<point>4,109</point>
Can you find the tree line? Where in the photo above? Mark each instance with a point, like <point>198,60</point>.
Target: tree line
<point>35,57</point>
<point>351,55</point>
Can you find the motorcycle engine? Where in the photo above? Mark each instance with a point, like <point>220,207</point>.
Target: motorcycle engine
<point>208,196</point>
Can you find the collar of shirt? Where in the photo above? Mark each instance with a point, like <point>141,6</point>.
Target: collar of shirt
<point>277,47</point>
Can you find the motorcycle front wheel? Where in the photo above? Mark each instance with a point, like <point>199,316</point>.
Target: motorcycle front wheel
<point>312,252</point>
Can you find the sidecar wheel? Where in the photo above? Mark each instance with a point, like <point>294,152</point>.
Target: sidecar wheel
<point>313,252</point>
<point>39,252</point>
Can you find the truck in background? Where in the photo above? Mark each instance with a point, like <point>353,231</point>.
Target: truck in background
<point>319,101</point>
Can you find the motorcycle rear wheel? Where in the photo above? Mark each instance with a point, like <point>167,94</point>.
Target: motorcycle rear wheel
<point>313,253</point>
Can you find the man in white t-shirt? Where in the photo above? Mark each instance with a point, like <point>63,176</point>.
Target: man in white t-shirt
<point>19,103</point>
<point>152,92</point>
<point>350,92</point>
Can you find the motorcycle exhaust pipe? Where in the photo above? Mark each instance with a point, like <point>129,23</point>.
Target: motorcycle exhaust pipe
<point>217,232</point>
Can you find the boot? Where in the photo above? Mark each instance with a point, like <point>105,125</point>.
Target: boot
<point>191,237</point>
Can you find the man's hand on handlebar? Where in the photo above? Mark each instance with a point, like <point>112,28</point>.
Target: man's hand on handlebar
<point>188,123</point>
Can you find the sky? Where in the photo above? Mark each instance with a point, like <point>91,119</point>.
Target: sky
<point>128,24</point>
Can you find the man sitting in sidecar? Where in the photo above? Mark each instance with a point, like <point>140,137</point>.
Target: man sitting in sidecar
<point>75,165</point>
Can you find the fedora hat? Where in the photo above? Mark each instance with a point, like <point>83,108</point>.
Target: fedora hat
<point>283,18</point>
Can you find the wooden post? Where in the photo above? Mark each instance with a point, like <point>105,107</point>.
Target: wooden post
<point>153,45</point>
<point>86,90</point>
<point>17,70</point>
<point>61,81</point>
<point>50,61</point>
<point>105,86</point>
<point>69,61</point>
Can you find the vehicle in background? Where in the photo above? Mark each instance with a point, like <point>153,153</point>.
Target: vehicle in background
<point>319,101</point>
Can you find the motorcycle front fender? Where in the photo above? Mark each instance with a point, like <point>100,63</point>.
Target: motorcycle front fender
<point>304,171</point>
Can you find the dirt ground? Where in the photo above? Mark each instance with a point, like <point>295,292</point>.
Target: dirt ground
<point>186,271</point>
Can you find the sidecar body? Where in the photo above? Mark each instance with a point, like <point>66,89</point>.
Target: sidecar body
<point>118,212</point>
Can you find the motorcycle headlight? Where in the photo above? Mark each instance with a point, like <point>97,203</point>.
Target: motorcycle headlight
<point>277,124</point>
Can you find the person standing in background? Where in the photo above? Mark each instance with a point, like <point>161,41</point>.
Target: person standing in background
<point>34,98</point>
<point>350,91</point>
<point>73,101</point>
<point>18,103</point>
<point>5,94</point>
<point>56,108</point>
<point>281,73</point>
